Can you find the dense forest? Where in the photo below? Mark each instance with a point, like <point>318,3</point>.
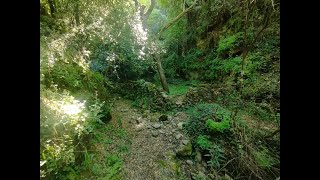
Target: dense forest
<point>160,89</point>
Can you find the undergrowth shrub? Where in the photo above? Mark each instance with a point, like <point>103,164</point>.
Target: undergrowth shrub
<point>207,117</point>
<point>63,121</point>
<point>229,42</point>
<point>198,114</point>
<point>203,142</point>
<point>212,150</point>
<point>264,158</point>
<point>217,157</point>
<point>72,77</point>
<point>144,95</point>
<point>221,121</point>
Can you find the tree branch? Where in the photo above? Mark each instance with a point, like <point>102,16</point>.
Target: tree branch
<point>147,14</point>
<point>176,19</point>
<point>272,134</point>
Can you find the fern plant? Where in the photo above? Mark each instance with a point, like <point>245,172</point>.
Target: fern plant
<point>221,126</point>
<point>204,142</point>
<point>229,42</point>
<point>216,156</point>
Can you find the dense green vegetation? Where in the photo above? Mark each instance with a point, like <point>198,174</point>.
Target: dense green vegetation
<point>216,61</point>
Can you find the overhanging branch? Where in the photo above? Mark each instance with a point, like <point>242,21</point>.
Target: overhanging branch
<point>176,19</point>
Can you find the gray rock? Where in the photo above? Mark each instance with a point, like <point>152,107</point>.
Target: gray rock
<point>178,136</point>
<point>139,120</point>
<point>179,114</point>
<point>147,112</point>
<point>189,162</point>
<point>166,122</point>
<point>173,131</point>
<point>179,103</point>
<point>144,115</point>
<point>180,125</point>
<point>185,142</point>
<point>160,131</point>
<point>201,175</point>
<point>198,156</point>
<point>164,95</point>
<point>156,125</point>
<point>155,133</point>
<point>184,150</point>
<point>149,126</point>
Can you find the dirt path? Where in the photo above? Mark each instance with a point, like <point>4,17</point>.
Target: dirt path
<point>152,152</point>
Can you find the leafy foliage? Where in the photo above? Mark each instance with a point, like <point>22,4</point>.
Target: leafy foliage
<point>222,122</point>
<point>217,156</point>
<point>63,120</point>
<point>201,119</point>
<point>217,126</point>
<point>264,159</point>
<point>203,142</point>
<point>229,42</point>
<point>195,126</point>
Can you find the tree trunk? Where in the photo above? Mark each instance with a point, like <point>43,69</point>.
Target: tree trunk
<point>161,73</point>
<point>43,10</point>
<point>158,61</point>
<point>76,13</point>
<point>248,46</point>
<point>52,7</point>
<point>147,14</point>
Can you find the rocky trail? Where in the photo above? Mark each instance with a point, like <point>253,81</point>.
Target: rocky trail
<point>156,141</point>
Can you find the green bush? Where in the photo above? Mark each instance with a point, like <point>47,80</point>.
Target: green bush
<point>198,114</point>
<point>218,126</point>
<point>65,75</point>
<point>229,42</point>
<point>222,121</point>
<point>63,120</point>
<point>204,142</point>
<point>178,89</point>
<point>264,159</point>
<point>217,156</point>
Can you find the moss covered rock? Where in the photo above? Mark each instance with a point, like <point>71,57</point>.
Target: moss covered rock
<point>184,150</point>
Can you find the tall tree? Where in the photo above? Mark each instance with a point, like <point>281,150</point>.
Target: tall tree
<point>249,45</point>
<point>52,6</point>
<point>144,15</point>
<point>77,13</point>
<point>157,56</point>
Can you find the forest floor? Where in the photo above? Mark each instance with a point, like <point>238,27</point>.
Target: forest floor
<point>153,144</point>
<point>139,145</point>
